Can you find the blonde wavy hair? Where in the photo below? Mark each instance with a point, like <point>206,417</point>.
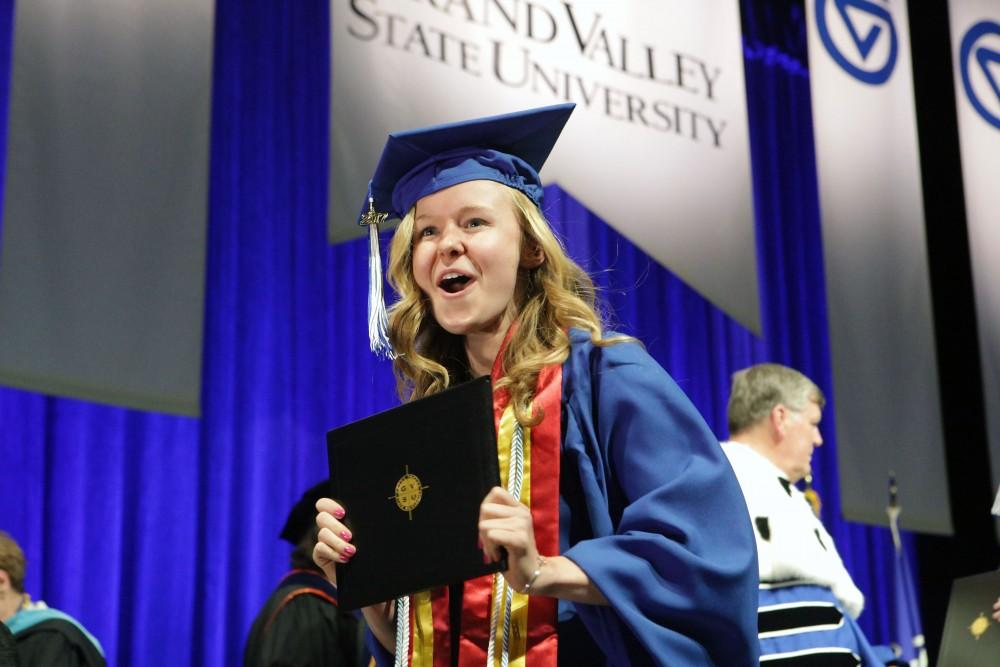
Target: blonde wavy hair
<point>549,299</point>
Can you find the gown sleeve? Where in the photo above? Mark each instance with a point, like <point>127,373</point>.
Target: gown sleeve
<point>671,546</point>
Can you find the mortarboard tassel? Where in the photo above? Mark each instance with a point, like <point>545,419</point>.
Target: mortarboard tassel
<point>378,320</point>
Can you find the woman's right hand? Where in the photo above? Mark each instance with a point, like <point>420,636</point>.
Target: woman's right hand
<point>333,543</point>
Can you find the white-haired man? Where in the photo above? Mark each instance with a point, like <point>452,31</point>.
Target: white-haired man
<point>808,601</point>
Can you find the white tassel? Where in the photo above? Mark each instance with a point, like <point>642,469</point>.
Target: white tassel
<point>378,319</point>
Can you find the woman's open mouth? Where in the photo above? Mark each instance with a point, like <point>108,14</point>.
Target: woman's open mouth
<point>453,283</point>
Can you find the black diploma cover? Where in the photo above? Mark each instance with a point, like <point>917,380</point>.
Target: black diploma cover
<point>411,480</point>
<point>971,637</point>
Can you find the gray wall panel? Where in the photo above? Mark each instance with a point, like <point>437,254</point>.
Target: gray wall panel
<point>102,270</point>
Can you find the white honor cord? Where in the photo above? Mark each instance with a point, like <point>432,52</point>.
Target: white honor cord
<point>402,631</point>
<point>504,593</point>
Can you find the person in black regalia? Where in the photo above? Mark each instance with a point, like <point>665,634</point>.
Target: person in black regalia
<point>300,624</point>
<point>42,635</point>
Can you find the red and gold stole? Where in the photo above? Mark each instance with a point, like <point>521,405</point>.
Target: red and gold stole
<point>532,624</point>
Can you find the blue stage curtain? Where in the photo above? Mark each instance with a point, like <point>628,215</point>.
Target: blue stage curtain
<point>160,533</point>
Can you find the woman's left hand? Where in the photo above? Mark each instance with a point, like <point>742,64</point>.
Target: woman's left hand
<point>505,522</point>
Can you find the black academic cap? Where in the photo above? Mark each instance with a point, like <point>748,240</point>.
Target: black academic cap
<point>303,514</point>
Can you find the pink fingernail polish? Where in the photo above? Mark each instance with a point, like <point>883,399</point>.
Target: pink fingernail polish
<point>349,550</point>
<point>346,534</point>
<point>344,558</point>
<point>339,513</point>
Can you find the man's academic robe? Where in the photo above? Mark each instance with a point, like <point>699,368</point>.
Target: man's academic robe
<point>300,625</point>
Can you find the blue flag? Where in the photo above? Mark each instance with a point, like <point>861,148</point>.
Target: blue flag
<point>904,611</point>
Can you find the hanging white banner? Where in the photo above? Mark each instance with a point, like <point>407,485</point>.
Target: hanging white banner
<point>658,145</point>
<point>875,252</point>
<point>975,38</point>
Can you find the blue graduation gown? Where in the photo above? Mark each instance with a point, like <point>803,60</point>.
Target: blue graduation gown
<point>652,512</point>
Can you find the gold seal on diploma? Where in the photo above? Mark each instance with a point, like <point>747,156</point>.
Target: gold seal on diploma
<point>979,626</point>
<point>409,492</point>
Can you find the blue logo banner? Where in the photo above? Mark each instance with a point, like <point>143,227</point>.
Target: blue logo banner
<point>973,54</point>
<point>851,51</point>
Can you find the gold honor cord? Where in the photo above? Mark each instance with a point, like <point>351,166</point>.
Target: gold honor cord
<point>423,629</point>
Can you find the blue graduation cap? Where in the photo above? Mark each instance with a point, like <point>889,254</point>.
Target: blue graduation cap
<point>509,149</point>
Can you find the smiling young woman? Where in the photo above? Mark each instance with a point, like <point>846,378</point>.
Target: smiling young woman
<point>626,536</point>
<point>466,260</point>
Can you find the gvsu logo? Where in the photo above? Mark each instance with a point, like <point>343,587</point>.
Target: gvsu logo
<point>860,37</point>
<point>979,59</point>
